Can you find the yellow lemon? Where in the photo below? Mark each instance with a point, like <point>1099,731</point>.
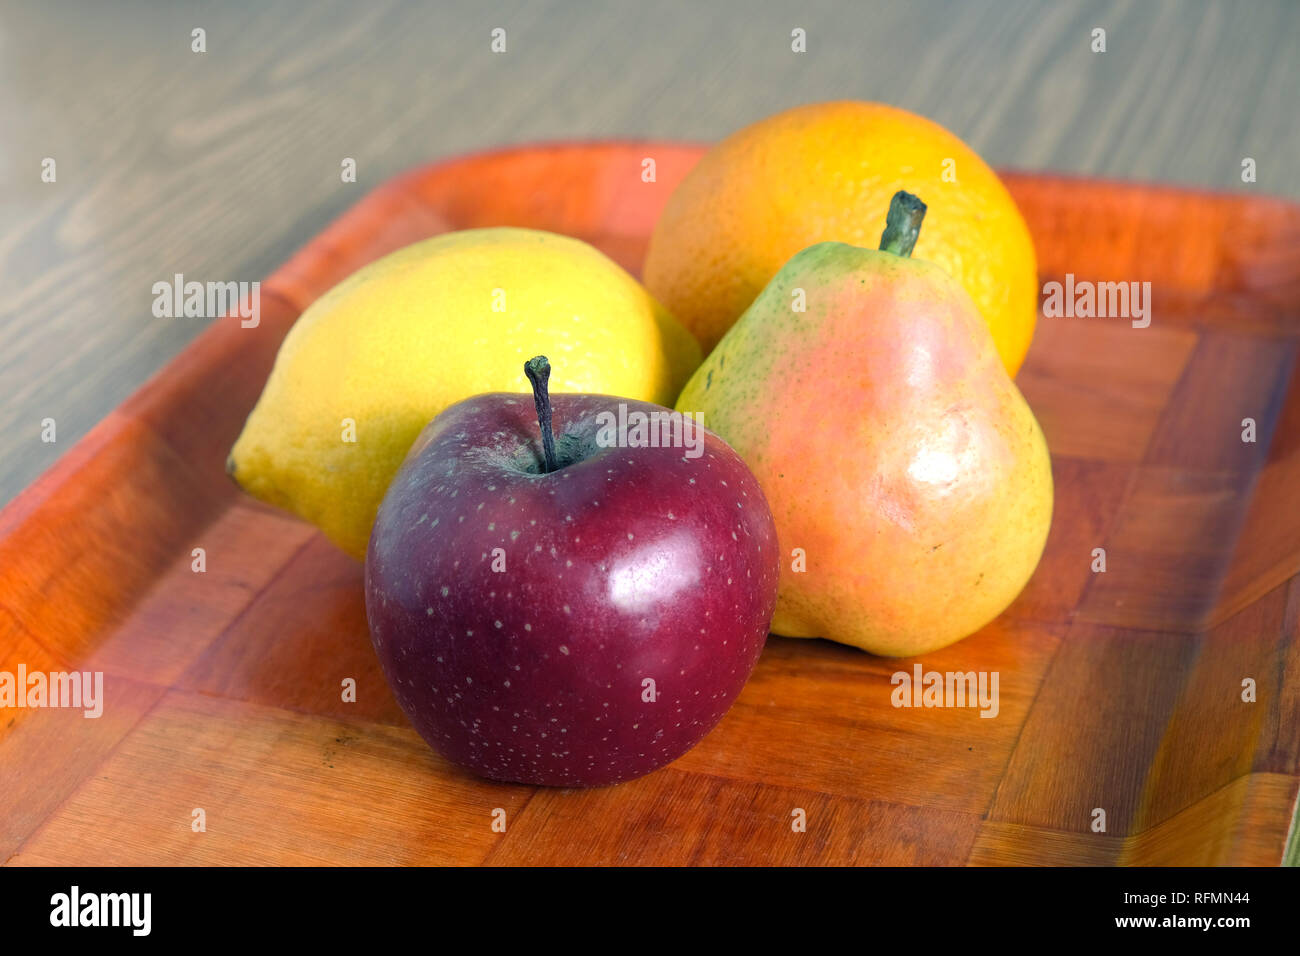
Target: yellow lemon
<point>367,366</point>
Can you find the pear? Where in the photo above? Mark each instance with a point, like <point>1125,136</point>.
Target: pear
<point>910,482</point>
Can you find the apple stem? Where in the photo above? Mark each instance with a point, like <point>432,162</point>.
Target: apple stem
<point>538,370</point>
<point>902,224</point>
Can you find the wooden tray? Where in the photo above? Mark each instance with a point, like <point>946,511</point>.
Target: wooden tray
<point>1120,691</point>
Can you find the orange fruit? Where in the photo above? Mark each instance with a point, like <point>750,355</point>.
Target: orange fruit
<point>823,172</point>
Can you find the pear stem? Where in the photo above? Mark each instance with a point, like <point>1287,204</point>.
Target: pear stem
<point>538,370</point>
<point>902,224</point>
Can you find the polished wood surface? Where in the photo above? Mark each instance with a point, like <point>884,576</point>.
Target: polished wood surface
<point>1119,690</point>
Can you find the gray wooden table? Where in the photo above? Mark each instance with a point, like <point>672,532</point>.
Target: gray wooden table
<point>219,164</point>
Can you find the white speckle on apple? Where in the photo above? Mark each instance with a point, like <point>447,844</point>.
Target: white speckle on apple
<point>564,650</point>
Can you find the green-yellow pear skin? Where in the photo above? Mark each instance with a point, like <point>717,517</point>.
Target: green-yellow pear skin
<point>910,482</point>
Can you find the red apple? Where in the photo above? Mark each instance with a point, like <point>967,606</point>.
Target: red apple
<point>568,612</point>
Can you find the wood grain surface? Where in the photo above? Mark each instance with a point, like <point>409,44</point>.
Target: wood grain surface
<point>218,165</point>
<point>1120,690</point>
